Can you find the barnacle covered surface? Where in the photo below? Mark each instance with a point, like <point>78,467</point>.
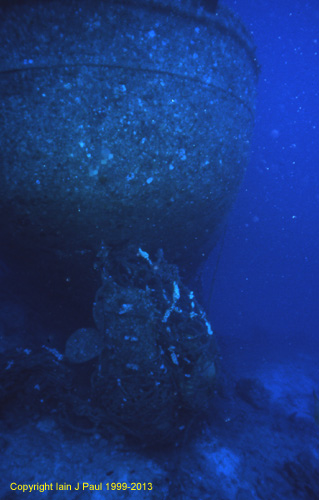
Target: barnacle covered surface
<point>121,122</point>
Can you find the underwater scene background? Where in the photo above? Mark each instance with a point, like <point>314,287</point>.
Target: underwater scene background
<point>159,254</point>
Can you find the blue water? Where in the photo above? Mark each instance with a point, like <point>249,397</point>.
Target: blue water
<point>268,275</point>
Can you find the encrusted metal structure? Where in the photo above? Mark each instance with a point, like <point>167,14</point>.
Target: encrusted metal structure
<point>122,122</point>
<point>126,129</point>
